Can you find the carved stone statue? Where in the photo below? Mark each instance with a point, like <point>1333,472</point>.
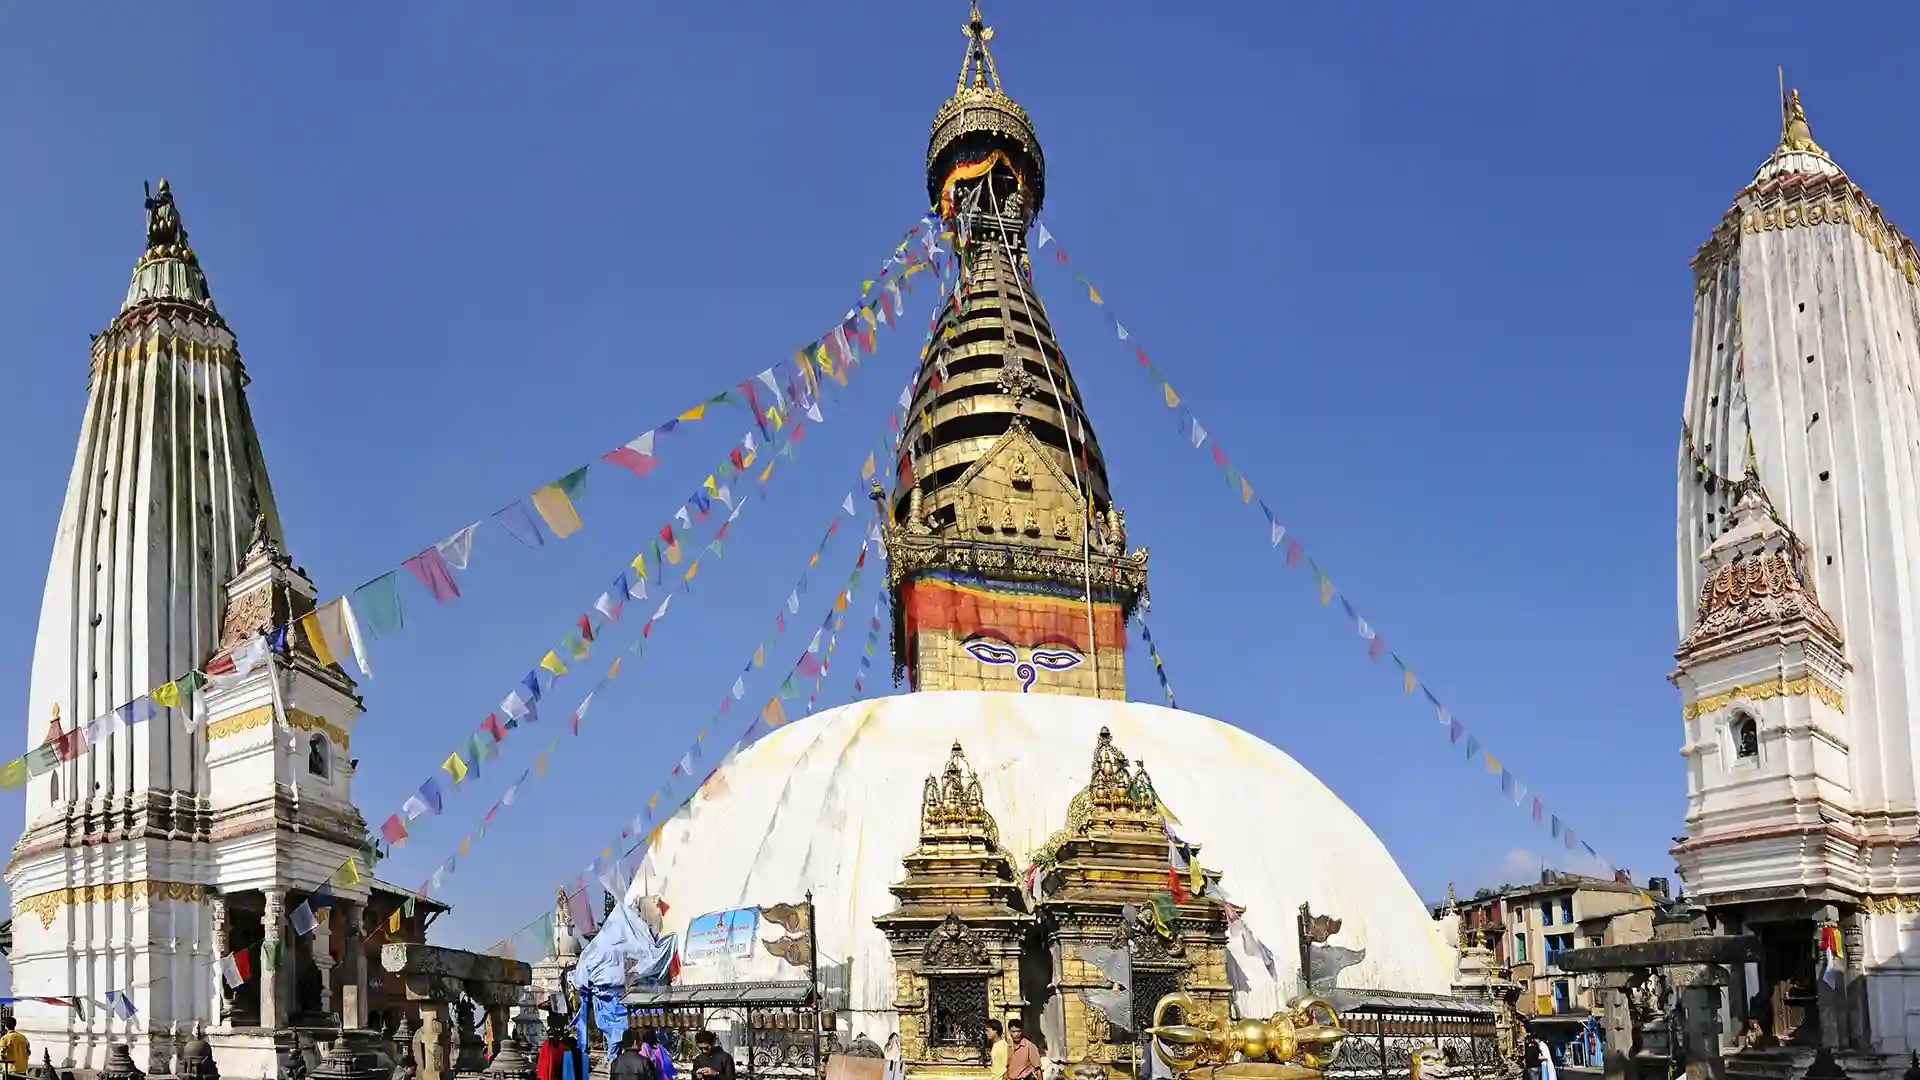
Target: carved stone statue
<point>163,219</point>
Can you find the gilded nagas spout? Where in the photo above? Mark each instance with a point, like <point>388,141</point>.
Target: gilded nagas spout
<point>1298,1044</point>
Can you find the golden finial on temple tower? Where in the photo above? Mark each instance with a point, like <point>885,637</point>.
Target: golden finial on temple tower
<point>1795,135</point>
<point>978,59</point>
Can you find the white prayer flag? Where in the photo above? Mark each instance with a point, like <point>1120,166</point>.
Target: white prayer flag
<point>1199,434</point>
<point>458,548</point>
<point>739,689</point>
<point>354,639</point>
<point>793,602</point>
<point>773,384</point>
<point>302,919</point>
<point>637,590</point>
<point>662,610</point>
<point>1045,237</point>
<point>813,413</point>
<point>607,605</point>
<point>848,504</point>
<point>1279,531</point>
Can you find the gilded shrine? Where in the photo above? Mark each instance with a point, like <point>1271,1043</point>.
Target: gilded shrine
<point>1080,952</point>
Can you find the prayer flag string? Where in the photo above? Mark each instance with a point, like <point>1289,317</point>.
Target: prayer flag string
<point>338,629</point>
<point>651,820</point>
<point>1240,487</point>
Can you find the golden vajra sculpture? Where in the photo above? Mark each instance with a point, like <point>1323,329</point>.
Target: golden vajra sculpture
<point>1297,1043</point>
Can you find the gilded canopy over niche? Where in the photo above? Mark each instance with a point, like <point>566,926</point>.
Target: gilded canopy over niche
<point>952,945</point>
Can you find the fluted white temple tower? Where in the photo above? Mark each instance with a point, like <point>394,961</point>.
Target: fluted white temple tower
<point>1799,602</point>
<point>154,848</point>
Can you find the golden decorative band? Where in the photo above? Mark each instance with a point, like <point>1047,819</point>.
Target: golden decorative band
<point>1890,905</point>
<point>262,715</point>
<point>1766,690</point>
<point>46,904</point>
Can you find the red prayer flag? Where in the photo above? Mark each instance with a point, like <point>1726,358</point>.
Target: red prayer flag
<point>666,535</point>
<point>243,964</point>
<point>492,727</point>
<point>586,628</point>
<point>1142,354</point>
<point>432,570</point>
<point>394,830</point>
<point>1219,455</point>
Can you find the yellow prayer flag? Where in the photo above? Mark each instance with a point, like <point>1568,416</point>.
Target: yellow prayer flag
<point>774,714</point>
<point>1246,491</point>
<point>713,488</point>
<point>1493,764</point>
<point>760,656</point>
<point>348,874</point>
<point>840,603</point>
<point>13,773</point>
<point>774,417</point>
<point>694,413</point>
<point>557,511</point>
<point>456,767</point>
<point>651,802</point>
<point>640,564</point>
<point>552,663</point>
<point>805,363</point>
<point>1326,590</point>
<point>692,569</point>
<point>813,562</point>
<point>315,624</point>
<point>465,843</point>
<point>1094,295</point>
<point>1411,682</point>
<point>766,472</point>
<point>613,672</point>
<point>606,852</point>
<point>1173,399</point>
<point>673,553</point>
<point>700,737</point>
<point>866,470</point>
<point>654,836</point>
<point>866,287</point>
<point>1166,813</point>
<point>167,694</point>
<point>393,922</point>
<point>868,312</point>
<point>1197,879</point>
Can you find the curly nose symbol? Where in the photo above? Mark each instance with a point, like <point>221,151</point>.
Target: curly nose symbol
<point>1026,674</point>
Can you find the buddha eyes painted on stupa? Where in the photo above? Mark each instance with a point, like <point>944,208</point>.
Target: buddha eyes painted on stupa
<point>991,647</point>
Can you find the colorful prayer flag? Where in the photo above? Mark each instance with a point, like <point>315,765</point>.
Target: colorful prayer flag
<point>636,456</point>
<point>555,502</point>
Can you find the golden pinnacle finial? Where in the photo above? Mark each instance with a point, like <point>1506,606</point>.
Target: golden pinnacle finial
<point>978,60</point>
<point>1795,135</point>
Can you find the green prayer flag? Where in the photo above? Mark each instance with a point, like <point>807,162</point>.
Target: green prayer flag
<point>574,484</point>
<point>377,604</point>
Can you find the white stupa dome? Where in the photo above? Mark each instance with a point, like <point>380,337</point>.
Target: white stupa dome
<point>831,804</point>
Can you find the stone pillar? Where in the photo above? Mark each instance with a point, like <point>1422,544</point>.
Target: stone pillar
<point>322,945</point>
<point>430,1043</point>
<point>353,974</point>
<point>276,981</point>
<point>500,1021</point>
<point>1700,1009</point>
<point>1617,1027</point>
<point>1832,998</point>
<point>223,1005</point>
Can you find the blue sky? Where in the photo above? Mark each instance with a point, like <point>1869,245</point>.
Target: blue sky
<point>1425,278</point>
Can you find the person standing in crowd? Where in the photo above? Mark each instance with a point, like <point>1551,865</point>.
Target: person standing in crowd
<point>550,1064</point>
<point>710,1062</point>
<point>996,1051</point>
<point>1023,1057</point>
<point>631,1064</point>
<point>15,1055</point>
<point>662,1061</point>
